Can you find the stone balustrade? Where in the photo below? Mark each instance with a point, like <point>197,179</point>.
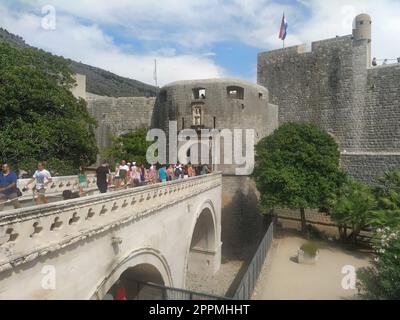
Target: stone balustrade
<point>57,186</point>
<point>29,233</point>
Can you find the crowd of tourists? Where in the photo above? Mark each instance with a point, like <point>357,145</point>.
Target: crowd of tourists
<point>127,175</point>
<point>132,174</point>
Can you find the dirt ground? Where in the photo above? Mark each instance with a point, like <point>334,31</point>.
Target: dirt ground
<point>283,278</point>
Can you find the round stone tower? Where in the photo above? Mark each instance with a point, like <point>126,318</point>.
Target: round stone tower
<point>362,34</point>
<point>225,105</point>
<point>217,104</point>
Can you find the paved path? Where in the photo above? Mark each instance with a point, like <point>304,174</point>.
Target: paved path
<point>282,278</point>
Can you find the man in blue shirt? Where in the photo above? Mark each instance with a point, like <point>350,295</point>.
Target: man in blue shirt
<point>8,187</point>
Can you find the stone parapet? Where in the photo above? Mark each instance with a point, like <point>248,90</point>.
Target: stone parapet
<point>31,233</point>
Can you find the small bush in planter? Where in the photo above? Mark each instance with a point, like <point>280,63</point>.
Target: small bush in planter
<point>310,249</point>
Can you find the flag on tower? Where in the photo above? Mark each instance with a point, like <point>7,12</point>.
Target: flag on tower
<point>284,28</point>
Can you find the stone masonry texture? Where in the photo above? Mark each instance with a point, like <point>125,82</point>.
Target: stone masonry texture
<point>117,116</point>
<point>334,87</point>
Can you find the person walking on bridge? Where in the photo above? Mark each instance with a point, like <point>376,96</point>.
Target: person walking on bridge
<point>152,173</point>
<point>162,173</point>
<point>42,178</point>
<point>8,187</point>
<point>103,176</point>
<point>123,173</point>
<point>83,181</point>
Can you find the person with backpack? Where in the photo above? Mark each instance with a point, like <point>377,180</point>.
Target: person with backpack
<point>178,171</point>
<point>8,187</point>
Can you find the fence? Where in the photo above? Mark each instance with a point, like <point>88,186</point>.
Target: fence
<point>246,287</point>
<point>152,291</point>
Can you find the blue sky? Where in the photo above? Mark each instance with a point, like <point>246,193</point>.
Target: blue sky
<point>192,38</point>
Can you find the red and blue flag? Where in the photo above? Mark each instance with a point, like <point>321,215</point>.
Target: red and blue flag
<point>284,28</point>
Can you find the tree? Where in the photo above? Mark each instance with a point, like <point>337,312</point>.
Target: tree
<point>353,208</point>
<point>40,119</point>
<point>381,281</point>
<point>387,193</point>
<point>132,147</point>
<point>297,167</point>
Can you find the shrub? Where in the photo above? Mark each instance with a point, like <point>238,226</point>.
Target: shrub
<point>381,281</point>
<point>310,249</point>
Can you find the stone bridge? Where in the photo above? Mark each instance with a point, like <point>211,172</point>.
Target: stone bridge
<point>80,248</point>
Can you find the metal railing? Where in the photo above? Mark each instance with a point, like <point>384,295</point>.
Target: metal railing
<point>246,287</point>
<point>152,291</point>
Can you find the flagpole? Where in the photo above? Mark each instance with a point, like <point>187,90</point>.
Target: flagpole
<point>155,75</point>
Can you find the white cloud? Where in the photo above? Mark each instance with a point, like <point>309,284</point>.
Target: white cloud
<point>166,27</point>
<point>331,18</point>
<point>89,44</point>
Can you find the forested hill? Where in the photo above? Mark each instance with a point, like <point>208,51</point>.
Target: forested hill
<point>98,81</point>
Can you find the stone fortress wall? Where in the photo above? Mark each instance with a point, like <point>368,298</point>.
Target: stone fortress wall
<point>224,104</point>
<point>335,87</point>
<point>117,116</point>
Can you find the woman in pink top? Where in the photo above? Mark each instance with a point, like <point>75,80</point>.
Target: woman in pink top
<point>152,174</point>
<point>136,176</point>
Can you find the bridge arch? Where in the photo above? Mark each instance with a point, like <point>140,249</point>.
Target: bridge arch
<point>202,254</point>
<point>148,264</point>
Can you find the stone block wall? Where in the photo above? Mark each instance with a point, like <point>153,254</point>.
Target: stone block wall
<point>333,87</point>
<point>117,116</point>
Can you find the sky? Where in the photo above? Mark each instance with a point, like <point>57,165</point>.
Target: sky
<point>190,39</point>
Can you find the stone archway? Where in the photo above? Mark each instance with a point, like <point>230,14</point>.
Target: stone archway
<point>204,252</point>
<point>140,282</point>
<point>145,265</point>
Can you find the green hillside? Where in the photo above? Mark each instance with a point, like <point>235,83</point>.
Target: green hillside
<point>99,81</point>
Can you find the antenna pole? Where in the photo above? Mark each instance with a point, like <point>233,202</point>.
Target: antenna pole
<point>155,74</point>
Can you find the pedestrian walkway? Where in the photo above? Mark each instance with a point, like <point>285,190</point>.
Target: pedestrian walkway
<point>282,278</point>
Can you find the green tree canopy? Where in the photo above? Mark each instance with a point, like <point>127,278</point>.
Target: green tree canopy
<point>297,167</point>
<point>131,147</point>
<point>40,119</point>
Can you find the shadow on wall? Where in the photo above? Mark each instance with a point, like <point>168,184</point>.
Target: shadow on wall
<point>243,227</point>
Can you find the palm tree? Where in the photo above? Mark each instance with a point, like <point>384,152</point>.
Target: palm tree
<point>353,208</point>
